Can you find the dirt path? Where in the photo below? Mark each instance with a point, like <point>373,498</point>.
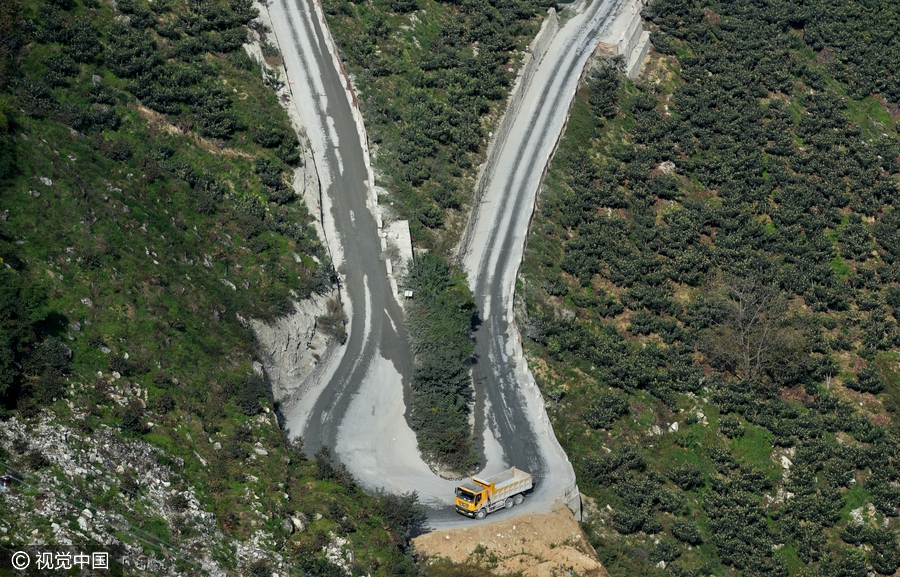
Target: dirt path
<point>539,545</point>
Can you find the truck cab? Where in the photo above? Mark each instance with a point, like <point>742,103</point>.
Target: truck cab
<point>470,498</point>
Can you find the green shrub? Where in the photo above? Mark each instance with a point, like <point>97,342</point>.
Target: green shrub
<point>247,393</point>
<point>132,417</point>
<point>606,410</point>
<point>731,427</point>
<point>867,381</point>
<point>687,476</point>
<point>439,318</point>
<point>686,531</point>
<point>36,460</point>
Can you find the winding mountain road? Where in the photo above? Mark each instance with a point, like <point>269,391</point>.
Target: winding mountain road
<point>357,406</point>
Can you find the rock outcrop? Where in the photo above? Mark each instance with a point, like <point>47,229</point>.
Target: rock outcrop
<point>292,347</point>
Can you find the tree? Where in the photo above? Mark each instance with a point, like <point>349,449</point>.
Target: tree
<point>750,333</point>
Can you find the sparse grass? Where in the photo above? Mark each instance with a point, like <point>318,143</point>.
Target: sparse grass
<point>755,447</point>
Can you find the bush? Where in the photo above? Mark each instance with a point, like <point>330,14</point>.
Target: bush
<point>686,531</point>
<point>439,318</point>
<point>731,427</point>
<point>247,393</point>
<point>132,417</point>
<point>164,403</point>
<point>235,450</point>
<point>334,322</point>
<point>687,476</point>
<point>402,513</point>
<point>868,381</point>
<point>608,408</point>
<point>36,460</point>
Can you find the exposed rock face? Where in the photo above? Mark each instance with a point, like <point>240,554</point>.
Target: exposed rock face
<point>291,347</point>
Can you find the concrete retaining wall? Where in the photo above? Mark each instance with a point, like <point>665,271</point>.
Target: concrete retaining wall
<point>638,55</point>
<point>625,36</point>
<point>633,32</point>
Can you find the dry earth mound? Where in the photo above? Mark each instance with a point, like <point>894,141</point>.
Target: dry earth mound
<point>535,545</point>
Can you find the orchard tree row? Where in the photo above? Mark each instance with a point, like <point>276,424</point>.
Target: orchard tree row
<point>712,281</point>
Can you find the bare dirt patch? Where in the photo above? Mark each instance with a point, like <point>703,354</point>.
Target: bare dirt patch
<point>539,545</point>
<point>158,121</point>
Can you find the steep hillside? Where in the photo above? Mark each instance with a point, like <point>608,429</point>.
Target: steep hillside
<point>710,294</point>
<point>148,212</point>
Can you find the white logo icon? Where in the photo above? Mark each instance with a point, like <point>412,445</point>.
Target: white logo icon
<point>20,560</point>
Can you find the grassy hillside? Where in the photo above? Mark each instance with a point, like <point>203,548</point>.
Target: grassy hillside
<point>711,287</point>
<point>145,209</point>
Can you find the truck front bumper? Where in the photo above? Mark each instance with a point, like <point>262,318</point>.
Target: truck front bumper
<point>465,512</point>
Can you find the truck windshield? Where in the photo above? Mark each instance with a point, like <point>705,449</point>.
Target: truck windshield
<point>464,495</point>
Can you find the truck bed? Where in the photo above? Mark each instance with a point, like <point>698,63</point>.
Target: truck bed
<point>507,483</point>
<point>500,480</point>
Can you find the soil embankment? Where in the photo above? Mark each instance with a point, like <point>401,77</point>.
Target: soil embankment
<point>537,545</point>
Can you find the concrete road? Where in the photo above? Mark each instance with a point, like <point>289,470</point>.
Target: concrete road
<point>358,406</point>
<point>516,414</point>
<point>321,102</point>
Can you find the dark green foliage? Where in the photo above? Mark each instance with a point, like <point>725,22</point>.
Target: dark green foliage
<point>235,450</point>
<point>739,202</point>
<point>740,531</point>
<point>665,550</point>
<point>260,568</point>
<point>164,403</point>
<point>402,513</point>
<point>324,464</point>
<point>885,555</point>
<point>24,321</point>
<point>132,417</point>
<point>604,85</point>
<point>687,476</point>
<point>730,426</point>
<point>607,469</point>
<point>440,318</point>
<point>36,460</point>
<point>606,410</point>
<point>867,381</point>
<point>247,392</point>
<point>685,530</point>
<point>132,52</point>
<point>60,69</point>
<point>846,563</point>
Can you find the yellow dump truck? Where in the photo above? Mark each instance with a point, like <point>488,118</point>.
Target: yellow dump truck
<point>501,491</point>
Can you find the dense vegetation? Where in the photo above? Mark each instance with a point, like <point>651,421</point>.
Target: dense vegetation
<point>145,209</point>
<point>712,291</point>
<point>433,76</point>
<point>440,321</point>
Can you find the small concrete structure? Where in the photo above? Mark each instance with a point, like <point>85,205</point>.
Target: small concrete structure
<point>398,246</point>
<point>626,36</point>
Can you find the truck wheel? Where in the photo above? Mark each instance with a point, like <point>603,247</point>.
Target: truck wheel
<point>519,499</point>
<point>481,514</point>
<point>509,503</point>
